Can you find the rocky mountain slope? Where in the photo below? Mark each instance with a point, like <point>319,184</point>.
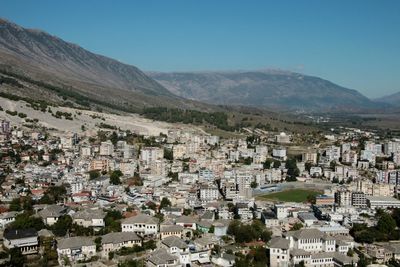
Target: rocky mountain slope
<point>42,57</point>
<point>272,89</point>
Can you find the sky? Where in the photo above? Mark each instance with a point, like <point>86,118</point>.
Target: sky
<point>354,43</point>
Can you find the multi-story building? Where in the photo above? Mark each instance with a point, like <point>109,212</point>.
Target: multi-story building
<point>150,154</point>
<point>141,224</point>
<point>106,148</point>
<point>208,193</point>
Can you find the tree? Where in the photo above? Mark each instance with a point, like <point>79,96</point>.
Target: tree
<point>165,202</point>
<point>97,241</point>
<point>62,225</point>
<point>253,184</point>
<point>350,252</point>
<point>266,235</point>
<point>112,222</point>
<point>94,174</point>
<point>151,205</point>
<point>53,195</point>
<point>308,166</point>
<point>25,221</point>
<point>386,224</point>
<point>16,257</point>
<point>396,216</point>
<point>311,198</point>
<point>187,212</point>
<point>168,154</point>
<point>267,164</point>
<point>292,170</point>
<point>277,164</point>
<point>15,205</point>
<point>332,164</point>
<point>363,261</point>
<point>115,177</point>
<point>296,226</point>
<point>301,264</point>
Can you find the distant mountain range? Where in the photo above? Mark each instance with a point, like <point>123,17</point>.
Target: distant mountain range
<point>393,99</point>
<point>271,89</point>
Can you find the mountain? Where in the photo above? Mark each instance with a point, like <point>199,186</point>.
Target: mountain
<point>393,99</point>
<point>271,89</point>
<point>43,57</point>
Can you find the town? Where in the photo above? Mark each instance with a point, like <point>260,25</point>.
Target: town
<point>114,197</point>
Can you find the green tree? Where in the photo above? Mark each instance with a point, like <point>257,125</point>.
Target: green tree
<point>115,177</point>
<point>296,226</point>
<point>396,216</point>
<point>62,225</point>
<point>267,164</point>
<point>253,184</point>
<point>165,202</point>
<point>25,221</point>
<point>311,198</point>
<point>94,174</point>
<point>16,257</point>
<point>168,154</point>
<point>277,164</point>
<point>15,205</point>
<point>386,224</point>
<point>97,241</point>
<point>112,221</point>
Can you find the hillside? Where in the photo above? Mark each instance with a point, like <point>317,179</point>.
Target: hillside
<point>39,56</point>
<point>393,99</point>
<point>271,89</point>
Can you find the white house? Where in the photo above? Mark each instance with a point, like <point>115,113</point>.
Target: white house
<point>116,241</point>
<point>75,248</point>
<point>89,218</point>
<point>7,217</point>
<point>24,239</point>
<point>141,224</point>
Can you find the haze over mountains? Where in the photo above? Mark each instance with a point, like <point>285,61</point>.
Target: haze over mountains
<point>44,57</point>
<point>393,99</point>
<point>278,89</point>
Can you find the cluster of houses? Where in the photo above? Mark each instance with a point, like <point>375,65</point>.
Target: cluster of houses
<point>208,182</point>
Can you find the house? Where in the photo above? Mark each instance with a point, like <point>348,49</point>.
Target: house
<point>186,222</point>
<point>204,244</point>
<point>75,248</point>
<point>89,218</point>
<point>50,214</point>
<point>204,226</point>
<point>170,230</point>
<point>313,247</point>
<point>7,217</point>
<point>307,218</point>
<point>24,239</point>
<point>141,224</point>
<point>224,260</point>
<point>176,246</point>
<point>161,258</point>
<point>116,241</point>
<point>279,252</point>
<point>221,227</point>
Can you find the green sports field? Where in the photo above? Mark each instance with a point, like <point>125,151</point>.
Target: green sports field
<point>292,195</point>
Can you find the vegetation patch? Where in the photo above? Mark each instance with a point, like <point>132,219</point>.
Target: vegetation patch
<point>293,195</point>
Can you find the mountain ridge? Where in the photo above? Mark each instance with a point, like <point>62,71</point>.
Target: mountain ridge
<point>43,57</point>
<point>263,88</point>
<point>391,99</point>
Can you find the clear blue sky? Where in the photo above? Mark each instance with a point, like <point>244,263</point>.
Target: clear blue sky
<point>354,43</point>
